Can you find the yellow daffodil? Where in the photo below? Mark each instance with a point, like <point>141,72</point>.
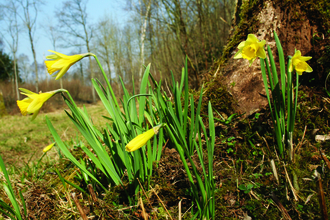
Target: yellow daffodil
<point>140,140</point>
<point>34,101</point>
<point>298,62</point>
<point>251,49</point>
<point>62,63</point>
<point>46,149</point>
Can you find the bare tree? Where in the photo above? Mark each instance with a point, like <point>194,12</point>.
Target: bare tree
<point>11,37</point>
<point>143,8</point>
<point>54,36</point>
<point>23,63</point>
<point>74,23</point>
<point>144,19</point>
<point>29,18</point>
<point>105,40</point>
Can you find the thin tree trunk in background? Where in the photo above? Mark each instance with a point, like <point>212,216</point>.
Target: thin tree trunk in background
<point>35,60</point>
<point>201,19</point>
<point>91,69</point>
<point>108,65</point>
<point>82,73</point>
<point>143,36</point>
<point>30,22</point>
<point>16,77</point>
<point>92,76</point>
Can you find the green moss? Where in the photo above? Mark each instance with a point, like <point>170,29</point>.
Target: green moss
<point>220,98</point>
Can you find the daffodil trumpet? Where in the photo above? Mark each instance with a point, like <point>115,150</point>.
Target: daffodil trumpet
<point>59,63</point>
<point>251,49</point>
<point>140,140</point>
<point>34,101</point>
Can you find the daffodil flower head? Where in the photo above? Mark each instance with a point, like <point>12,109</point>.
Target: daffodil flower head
<point>34,101</point>
<point>298,62</point>
<point>46,149</point>
<point>140,140</point>
<point>61,63</point>
<point>251,49</point>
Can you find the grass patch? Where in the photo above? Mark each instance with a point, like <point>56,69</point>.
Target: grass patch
<point>20,138</point>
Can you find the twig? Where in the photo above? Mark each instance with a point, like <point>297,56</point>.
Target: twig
<point>264,141</point>
<point>321,197</point>
<point>144,214</point>
<point>302,139</point>
<point>280,206</point>
<point>272,164</point>
<point>161,202</point>
<point>324,157</point>
<point>290,184</point>
<point>129,207</point>
<point>165,145</point>
<point>180,210</point>
<point>260,164</point>
<point>187,210</point>
<point>254,195</point>
<point>91,191</point>
<point>145,194</point>
<point>81,211</point>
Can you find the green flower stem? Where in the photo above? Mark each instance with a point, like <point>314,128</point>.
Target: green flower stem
<point>67,92</point>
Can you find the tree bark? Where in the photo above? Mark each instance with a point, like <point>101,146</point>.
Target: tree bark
<point>143,36</point>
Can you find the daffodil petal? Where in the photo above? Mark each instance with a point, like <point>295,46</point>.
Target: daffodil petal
<point>238,55</point>
<point>35,115</point>
<point>241,45</point>
<point>58,54</point>
<point>23,105</point>
<point>309,69</point>
<point>261,53</point>
<point>252,38</point>
<point>302,58</point>
<point>26,91</point>
<point>62,72</point>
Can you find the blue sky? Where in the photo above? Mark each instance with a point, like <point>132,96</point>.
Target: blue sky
<point>95,9</point>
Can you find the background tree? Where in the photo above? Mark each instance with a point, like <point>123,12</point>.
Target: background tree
<point>177,28</point>
<point>12,30</point>
<point>23,63</point>
<point>6,67</point>
<point>30,13</point>
<point>54,36</point>
<point>74,23</point>
<point>105,40</point>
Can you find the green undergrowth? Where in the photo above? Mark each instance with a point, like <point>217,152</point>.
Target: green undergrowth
<point>245,184</point>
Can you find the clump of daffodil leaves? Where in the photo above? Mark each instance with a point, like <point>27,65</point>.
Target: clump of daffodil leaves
<point>283,116</point>
<point>126,149</point>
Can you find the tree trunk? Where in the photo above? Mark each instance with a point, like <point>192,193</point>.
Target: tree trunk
<point>16,77</point>
<point>34,59</point>
<point>143,36</point>
<point>262,18</point>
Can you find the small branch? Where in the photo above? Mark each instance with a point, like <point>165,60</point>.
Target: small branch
<point>292,189</point>
<point>161,202</point>
<point>321,197</point>
<point>280,206</point>
<point>91,191</point>
<point>82,213</point>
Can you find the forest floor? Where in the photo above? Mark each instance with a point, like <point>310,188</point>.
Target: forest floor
<point>246,187</point>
